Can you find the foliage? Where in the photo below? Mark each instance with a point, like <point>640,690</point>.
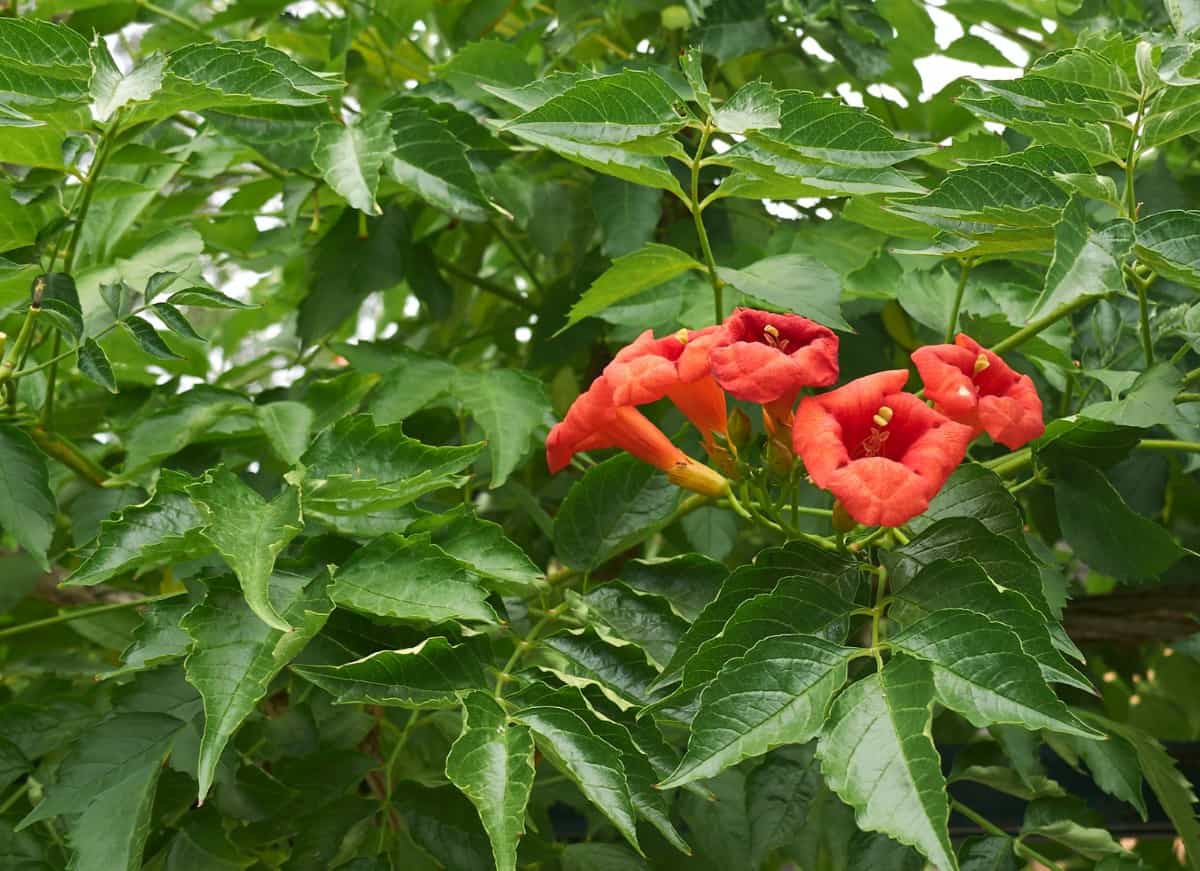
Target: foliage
<point>292,296</point>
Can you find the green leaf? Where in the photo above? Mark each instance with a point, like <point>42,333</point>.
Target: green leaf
<point>287,426</point>
<point>779,795</point>
<point>763,173</point>
<point>627,214</point>
<point>349,157</point>
<point>43,66</point>
<point>1148,402</point>
<point>964,584</point>
<point>248,532</point>
<point>162,530</point>
<point>825,129</point>
<point>1113,764</point>
<point>1087,263</point>
<point>148,339</point>
<point>1100,443</point>
<point>591,763</point>
<point>753,106</point>
<point>483,546</point>
<point>797,605</point>
<point>510,407</point>
<point>430,675</point>
<point>646,621</point>
<point>430,161</point>
<point>878,756</point>
<point>1172,789</point>
<point>111,89</point>
<point>990,853</point>
<point>408,386</point>
<point>27,507</point>
<point>1058,819</point>
<point>488,62</point>
<point>1166,242</point>
<point>691,61</point>
<point>206,297</point>
<point>628,105</point>
<point>176,321</point>
<point>1105,532</point>
<point>159,638</point>
<point>93,363</point>
<point>980,670</point>
<point>601,857</point>
<point>776,693</point>
<point>628,276</point>
<point>618,161</point>
<point>237,655</point>
<point>974,491</point>
<point>121,748</point>
<point>581,658</point>
<point>615,504</point>
<point>689,581</point>
<point>793,283</point>
<point>492,763</point>
<point>407,578</point>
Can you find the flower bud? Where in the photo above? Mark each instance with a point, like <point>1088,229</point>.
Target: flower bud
<point>842,521</point>
<point>697,477</point>
<point>740,429</point>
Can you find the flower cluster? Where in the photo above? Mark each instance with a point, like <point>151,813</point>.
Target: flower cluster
<point>881,452</point>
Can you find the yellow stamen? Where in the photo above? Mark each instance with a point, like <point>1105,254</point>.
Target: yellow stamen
<point>883,417</point>
<point>682,335</point>
<point>771,331</point>
<point>981,362</point>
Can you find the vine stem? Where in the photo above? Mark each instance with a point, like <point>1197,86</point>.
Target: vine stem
<point>952,327</point>
<point>1032,329</point>
<point>79,613</point>
<point>992,829</point>
<point>486,285</point>
<point>1131,214</point>
<point>524,645</point>
<point>698,216</point>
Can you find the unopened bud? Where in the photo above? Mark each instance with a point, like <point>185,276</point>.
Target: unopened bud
<point>740,429</point>
<point>699,478</point>
<point>981,362</point>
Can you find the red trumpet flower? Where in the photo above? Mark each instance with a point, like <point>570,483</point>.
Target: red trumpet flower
<point>881,452</point>
<point>767,358</point>
<point>594,421</point>
<point>676,367</point>
<point>975,387</point>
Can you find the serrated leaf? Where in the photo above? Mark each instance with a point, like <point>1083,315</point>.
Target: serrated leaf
<point>176,321</point>
<point>112,90</point>
<point>1100,443</point>
<point>762,172</point>
<point>793,283</point>
<point>350,156</point>
<point>581,658</point>
<point>287,426</point>
<point>1167,242</point>
<point>1058,819</point>
<point>591,763</point>
<point>509,407</point>
<point>407,578</point>
<point>430,675</point>
<point>691,61</point>
<point>646,621</point>
<point>878,756</point>
<point>430,161</point>
<point>614,160</point>
<point>974,491</point>
<point>1147,402</point>
<point>797,605</point>
<point>1087,263</point>
<point>248,532</point>
<point>159,638</point>
<point>606,110</point>
<point>980,670</point>
<point>119,749</point>
<point>753,106</point>
<point>689,581</point>
<point>492,763</point>
<point>1105,532</point>
<point>237,655</point>
<point>615,504</point>
<point>628,276</point>
<point>964,584</point>
<point>163,529</point>
<point>990,853</point>
<point>27,507</point>
<point>206,297</point>
<point>483,546</point>
<point>93,363</point>
<point>148,339</point>
<point>825,129</point>
<point>1113,765</point>
<point>64,317</point>
<point>779,794</point>
<point>776,693</point>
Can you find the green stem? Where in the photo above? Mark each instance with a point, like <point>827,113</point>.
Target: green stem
<point>173,16</point>
<point>14,798</point>
<point>1144,323</point>
<point>488,286</point>
<point>17,349</point>
<point>1192,377</point>
<point>524,263</point>
<point>69,455</point>
<point>1029,331</point>
<point>1010,463</point>
<point>79,613</point>
<point>698,216</point>
<point>1181,398</point>
<point>522,646</point>
<point>1168,445</point>
<point>993,829</point>
<point>952,327</point>
<point>401,740</point>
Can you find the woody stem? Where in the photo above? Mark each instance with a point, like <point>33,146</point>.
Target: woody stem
<point>698,216</point>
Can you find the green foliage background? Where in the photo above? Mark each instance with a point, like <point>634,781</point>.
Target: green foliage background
<point>293,293</point>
